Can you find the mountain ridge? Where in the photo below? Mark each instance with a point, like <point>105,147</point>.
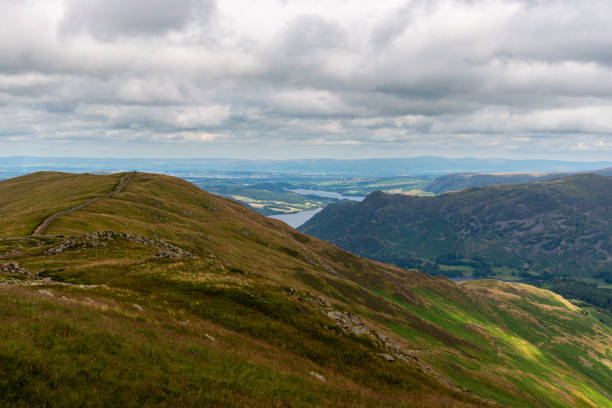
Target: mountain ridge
<point>501,224</point>
<point>460,181</point>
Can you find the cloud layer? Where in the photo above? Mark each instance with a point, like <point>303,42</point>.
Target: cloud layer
<point>292,78</point>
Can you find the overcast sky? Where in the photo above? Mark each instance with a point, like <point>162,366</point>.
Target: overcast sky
<point>288,79</point>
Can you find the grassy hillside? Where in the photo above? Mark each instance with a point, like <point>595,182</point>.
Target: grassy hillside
<point>26,201</point>
<point>194,300</point>
<point>560,227</point>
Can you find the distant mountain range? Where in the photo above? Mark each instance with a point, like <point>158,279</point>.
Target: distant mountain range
<point>424,165</point>
<point>561,226</point>
<point>459,181</point>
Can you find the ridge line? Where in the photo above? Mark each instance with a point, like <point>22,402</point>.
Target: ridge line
<point>116,190</point>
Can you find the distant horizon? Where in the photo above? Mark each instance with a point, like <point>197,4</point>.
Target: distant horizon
<point>306,158</point>
<point>340,167</point>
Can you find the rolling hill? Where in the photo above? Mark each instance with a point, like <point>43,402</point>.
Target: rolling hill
<point>460,181</point>
<point>160,294</point>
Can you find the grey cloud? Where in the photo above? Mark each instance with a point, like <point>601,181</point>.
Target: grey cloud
<point>391,27</point>
<point>558,31</point>
<point>109,19</point>
<point>310,33</point>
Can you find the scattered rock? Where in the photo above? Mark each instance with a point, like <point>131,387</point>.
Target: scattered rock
<point>317,376</point>
<point>345,320</point>
<point>12,254</point>
<point>90,300</point>
<point>318,263</point>
<point>541,325</point>
<point>184,322</point>
<point>166,254</point>
<point>319,302</point>
<point>103,286</point>
<point>209,337</point>
<point>349,322</point>
<point>388,343</point>
<point>353,324</point>
<point>98,239</point>
<point>13,267</point>
<point>46,292</point>
<point>386,356</point>
<point>586,363</point>
<point>138,307</point>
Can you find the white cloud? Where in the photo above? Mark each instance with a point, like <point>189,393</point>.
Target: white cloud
<point>377,77</point>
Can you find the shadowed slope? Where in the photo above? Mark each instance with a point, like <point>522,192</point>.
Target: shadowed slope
<point>559,226</point>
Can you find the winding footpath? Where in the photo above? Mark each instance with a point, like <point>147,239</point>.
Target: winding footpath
<point>43,226</point>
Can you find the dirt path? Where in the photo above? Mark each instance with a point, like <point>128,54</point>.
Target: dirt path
<point>43,226</point>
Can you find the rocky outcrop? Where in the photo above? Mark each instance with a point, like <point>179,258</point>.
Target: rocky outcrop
<point>166,254</point>
<point>100,239</point>
<point>15,268</point>
<point>317,376</point>
<point>353,324</point>
<point>386,357</point>
<point>319,263</point>
<point>349,322</point>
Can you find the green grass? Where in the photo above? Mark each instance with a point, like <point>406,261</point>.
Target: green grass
<point>26,201</point>
<point>463,268</point>
<point>517,345</point>
<point>129,362</point>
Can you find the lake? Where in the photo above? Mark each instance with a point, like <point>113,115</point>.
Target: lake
<point>296,219</point>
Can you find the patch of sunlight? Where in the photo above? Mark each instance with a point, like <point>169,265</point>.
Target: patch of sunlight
<point>526,349</point>
<point>595,396</point>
